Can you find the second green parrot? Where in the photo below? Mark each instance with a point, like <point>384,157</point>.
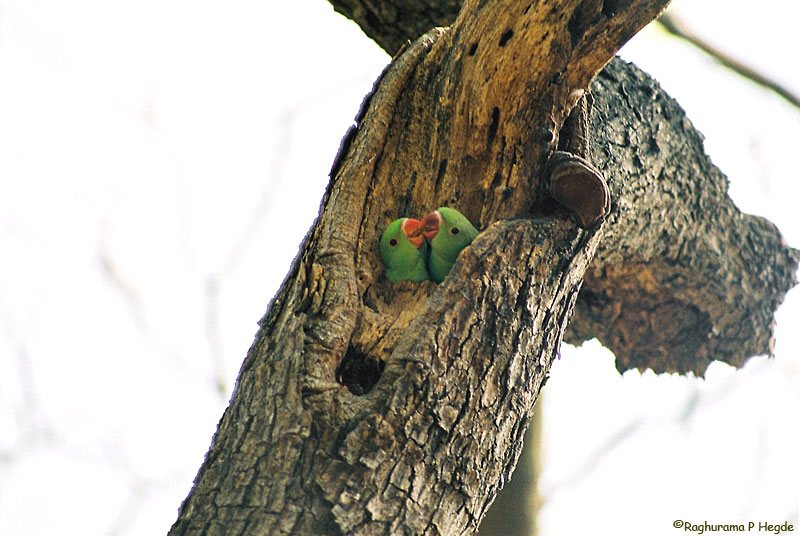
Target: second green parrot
<point>403,250</point>
<point>449,232</point>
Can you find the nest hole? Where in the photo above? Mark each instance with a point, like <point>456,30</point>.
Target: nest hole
<point>358,371</point>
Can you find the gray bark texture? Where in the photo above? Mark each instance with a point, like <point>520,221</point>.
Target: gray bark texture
<point>366,407</point>
<point>682,277</point>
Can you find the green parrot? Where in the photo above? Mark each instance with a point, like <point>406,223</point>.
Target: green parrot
<point>449,232</point>
<point>403,250</point>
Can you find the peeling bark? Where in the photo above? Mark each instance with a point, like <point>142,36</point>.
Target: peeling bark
<point>365,407</point>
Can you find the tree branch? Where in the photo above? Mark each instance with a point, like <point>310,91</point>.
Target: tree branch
<point>682,277</point>
<point>393,23</point>
<point>676,28</point>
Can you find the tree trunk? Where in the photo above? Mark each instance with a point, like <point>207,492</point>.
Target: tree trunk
<point>365,407</point>
<point>516,507</point>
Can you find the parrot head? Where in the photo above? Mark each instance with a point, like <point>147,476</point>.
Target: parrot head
<point>448,229</point>
<point>448,232</point>
<point>400,250</point>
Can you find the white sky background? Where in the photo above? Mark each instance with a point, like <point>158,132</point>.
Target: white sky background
<point>160,163</point>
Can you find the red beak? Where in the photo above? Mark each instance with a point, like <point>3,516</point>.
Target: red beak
<point>431,223</point>
<point>413,231</point>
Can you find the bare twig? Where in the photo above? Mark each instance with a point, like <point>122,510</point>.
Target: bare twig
<point>676,28</point>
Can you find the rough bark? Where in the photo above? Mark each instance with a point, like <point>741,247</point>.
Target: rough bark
<point>682,277</point>
<point>516,508</point>
<point>365,407</point>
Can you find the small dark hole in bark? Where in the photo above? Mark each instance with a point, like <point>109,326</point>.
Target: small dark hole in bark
<point>358,371</point>
<point>575,27</point>
<point>494,124</point>
<point>440,174</point>
<point>473,48</point>
<point>609,8</point>
<point>508,34</point>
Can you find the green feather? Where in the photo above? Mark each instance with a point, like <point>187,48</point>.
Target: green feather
<point>403,260</point>
<point>455,233</point>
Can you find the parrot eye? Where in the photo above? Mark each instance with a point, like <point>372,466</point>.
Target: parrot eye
<point>455,230</point>
<point>393,242</point>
